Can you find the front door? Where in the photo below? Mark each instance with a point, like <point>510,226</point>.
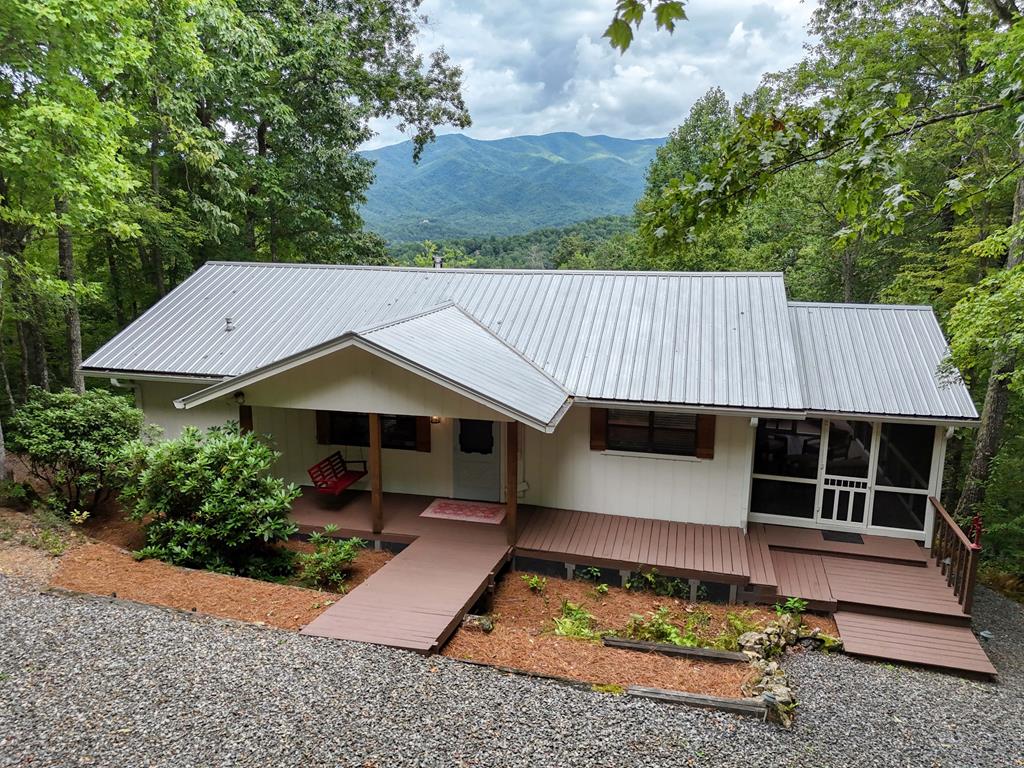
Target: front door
<point>477,462</point>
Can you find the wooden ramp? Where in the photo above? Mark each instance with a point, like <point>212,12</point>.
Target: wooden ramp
<point>417,600</point>
<point>803,575</point>
<point>914,642</point>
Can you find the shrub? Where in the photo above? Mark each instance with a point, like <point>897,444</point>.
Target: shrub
<point>210,502</point>
<point>590,573</point>
<point>793,606</point>
<point>576,621</point>
<point>327,566</point>
<point>535,583</point>
<point>663,586</point>
<point>71,442</point>
<point>736,625</point>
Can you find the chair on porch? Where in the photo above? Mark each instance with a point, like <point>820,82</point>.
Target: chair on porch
<point>333,475</point>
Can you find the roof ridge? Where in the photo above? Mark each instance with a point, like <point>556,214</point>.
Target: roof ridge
<point>854,305</point>
<point>476,270</point>
<point>403,318</point>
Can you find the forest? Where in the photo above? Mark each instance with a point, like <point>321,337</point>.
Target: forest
<point>887,165</point>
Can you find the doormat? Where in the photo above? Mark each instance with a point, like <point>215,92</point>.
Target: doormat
<point>842,536</point>
<point>469,511</point>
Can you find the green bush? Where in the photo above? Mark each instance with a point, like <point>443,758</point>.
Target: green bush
<point>71,442</point>
<point>210,502</point>
<point>657,627</point>
<point>534,582</point>
<point>327,566</point>
<point>576,621</point>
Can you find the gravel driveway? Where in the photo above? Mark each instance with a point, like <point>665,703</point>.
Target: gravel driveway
<point>87,682</point>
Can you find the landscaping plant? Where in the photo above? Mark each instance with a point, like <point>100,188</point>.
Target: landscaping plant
<point>576,621</point>
<point>793,606</point>
<point>535,583</point>
<point>657,627</point>
<point>327,566</point>
<point>71,443</point>
<point>209,501</point>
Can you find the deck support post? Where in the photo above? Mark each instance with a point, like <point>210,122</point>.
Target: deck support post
<point>376,489</point>
<point>512,481</point>
<point>694,586</point>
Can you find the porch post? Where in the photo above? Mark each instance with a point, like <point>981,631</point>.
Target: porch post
<point>511,480</point>
<point>376,489</point>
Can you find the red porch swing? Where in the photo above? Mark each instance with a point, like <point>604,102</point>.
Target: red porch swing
<point>332,475</point>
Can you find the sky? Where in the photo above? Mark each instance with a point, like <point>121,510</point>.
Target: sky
<point>538,66</point>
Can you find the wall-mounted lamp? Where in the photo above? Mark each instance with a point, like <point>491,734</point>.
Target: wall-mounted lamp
<point>240,397</point>
<point>435,419</point>
<point>753,422</point>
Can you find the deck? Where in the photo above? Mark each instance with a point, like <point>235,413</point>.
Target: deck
<point>414,602</point>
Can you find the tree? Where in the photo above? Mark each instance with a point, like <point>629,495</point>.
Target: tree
<point>630,13</point>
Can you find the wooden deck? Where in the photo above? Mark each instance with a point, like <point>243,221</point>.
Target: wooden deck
<point>913,642</point>
<point>417,600</point>
<point>683,550</point>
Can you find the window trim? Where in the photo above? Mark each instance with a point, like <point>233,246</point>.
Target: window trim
<point>704,436</point>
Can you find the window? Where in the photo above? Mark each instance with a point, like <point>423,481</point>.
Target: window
<point>652,432</point>
<point>476,436</point>
<point>787,448</point>
<point>405,433</point>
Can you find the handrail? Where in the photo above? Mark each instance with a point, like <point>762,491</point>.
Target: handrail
<point>955,554</point>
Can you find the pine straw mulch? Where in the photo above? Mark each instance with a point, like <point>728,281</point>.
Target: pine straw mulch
<point>105,566</point>
<point>522,638</point>
<point>28,549</point>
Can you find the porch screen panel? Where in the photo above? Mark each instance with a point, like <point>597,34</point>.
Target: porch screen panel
<point>785,478</point>
<point>903,476</point>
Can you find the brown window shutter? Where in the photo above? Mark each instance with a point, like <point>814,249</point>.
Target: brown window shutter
<point>323,427</point>
<point>245,418</point>
<point>423,434</point>
<point>705,437</point>
<point>598,429</point>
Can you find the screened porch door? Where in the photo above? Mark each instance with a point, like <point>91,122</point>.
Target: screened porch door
<point>845,483</point>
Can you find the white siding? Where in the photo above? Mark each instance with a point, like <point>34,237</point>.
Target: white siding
<point>156,398</point>
<point>559,469</point>
<point>563,472</point>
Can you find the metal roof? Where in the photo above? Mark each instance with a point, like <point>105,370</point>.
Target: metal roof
<point>701,339</point>
<point>876,359</point>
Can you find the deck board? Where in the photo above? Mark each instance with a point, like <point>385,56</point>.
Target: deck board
<point>762,571</point>
<point>914,642</point>
<point>876,547</point>
<point>803,575</point>
<point>892,586</point>
<point>417,599</point>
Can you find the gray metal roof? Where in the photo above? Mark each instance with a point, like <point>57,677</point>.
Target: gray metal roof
<point>702,339</point>
<point>876,359</point>
<point>446,345</point>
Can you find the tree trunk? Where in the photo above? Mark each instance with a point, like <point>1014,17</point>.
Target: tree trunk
<point>5,471</point>
<point>114,270</point>
<point>997,396</point>
<point>72,320</point>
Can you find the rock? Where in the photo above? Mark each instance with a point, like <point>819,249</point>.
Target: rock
<point>478,623</point>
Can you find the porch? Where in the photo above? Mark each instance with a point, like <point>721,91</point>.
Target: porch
<point>892,598</point>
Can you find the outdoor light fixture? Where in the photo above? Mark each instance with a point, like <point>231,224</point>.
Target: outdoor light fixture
<point>240,397</point>
<point>435,419</point>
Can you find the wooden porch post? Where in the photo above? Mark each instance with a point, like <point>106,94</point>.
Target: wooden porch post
<point>511,480</point>
<point>376,489</point>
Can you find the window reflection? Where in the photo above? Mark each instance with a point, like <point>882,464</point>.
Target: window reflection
<point>849,448</point>
<point>787,448</point>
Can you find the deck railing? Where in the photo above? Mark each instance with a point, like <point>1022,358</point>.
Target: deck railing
<point>955,554</point>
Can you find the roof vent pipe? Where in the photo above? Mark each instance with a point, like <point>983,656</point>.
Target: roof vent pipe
<point>229,324</point>
<point>438,261</point>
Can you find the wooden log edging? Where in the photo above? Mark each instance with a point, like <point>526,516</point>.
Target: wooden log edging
<point>668,649</point>
<point>747,707</point>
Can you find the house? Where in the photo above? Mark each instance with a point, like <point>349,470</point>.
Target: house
<point>660,409</point>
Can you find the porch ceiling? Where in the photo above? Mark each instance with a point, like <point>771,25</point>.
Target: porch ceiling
<point>446,346</point>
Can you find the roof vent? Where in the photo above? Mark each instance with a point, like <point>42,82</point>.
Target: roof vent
<point>229,324</point>
<point>438,261</point>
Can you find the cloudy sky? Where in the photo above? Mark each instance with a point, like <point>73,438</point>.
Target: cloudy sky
<point>541,65</point>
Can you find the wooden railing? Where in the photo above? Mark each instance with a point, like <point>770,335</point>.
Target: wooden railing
<point>955,554</point>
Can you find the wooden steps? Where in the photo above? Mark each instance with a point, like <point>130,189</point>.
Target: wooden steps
<point>913,642</point>
<point>803,575</point>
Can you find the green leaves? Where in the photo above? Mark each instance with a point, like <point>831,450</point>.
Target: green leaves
<point>630,13</point>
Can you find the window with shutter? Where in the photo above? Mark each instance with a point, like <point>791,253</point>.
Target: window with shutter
<point>662,432</point>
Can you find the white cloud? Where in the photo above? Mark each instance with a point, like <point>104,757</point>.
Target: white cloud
<point>542,66</point>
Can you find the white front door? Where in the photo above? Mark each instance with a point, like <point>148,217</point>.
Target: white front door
<point>846,484</point>
<point>476,467</point>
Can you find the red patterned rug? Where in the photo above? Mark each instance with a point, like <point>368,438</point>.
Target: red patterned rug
<point>470,511</point>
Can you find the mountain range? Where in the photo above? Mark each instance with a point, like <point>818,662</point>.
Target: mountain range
<point>464,187</point>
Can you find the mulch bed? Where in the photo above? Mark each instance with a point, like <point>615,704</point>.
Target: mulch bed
<point>105,566</point>
<point>522,638</point>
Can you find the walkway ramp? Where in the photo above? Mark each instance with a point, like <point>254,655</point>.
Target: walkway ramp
<point>912,641</point>
<point>416,601</point>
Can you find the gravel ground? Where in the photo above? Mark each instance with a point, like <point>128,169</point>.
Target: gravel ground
<point>89,682</point>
